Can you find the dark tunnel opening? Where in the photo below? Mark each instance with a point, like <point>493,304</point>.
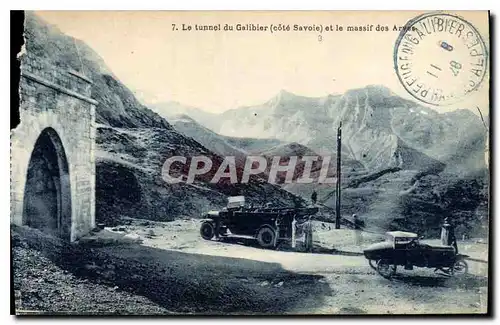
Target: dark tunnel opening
<point>47,193</point>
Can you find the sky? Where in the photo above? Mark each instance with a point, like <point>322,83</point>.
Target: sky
<point>221,70</point>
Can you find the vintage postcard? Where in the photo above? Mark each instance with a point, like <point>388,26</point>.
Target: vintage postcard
<point>252,163</point>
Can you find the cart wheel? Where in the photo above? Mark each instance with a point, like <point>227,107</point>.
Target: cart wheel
<point>459,268</point>
<point>373,264</point>
<point>265,236</point>
<point>207,230</point>
<point>386,269</point>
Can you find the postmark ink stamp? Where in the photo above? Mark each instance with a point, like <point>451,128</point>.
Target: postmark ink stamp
<point>440,58</point>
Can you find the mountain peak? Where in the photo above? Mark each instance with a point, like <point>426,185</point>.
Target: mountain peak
<point>379,88</point>
<point>284,94</point>
<point>181,118</point>
<point>281,97</point>
<point>371,91</point>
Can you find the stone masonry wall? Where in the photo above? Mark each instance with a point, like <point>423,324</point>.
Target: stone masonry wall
<point>58,99</point>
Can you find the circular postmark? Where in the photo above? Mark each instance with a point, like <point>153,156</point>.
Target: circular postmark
<point>440,58</point>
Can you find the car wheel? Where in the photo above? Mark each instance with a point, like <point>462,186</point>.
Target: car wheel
<point>386,269</point>
<point>265,237</point>
<point>459,268</point>
<point>373,264</point>
<point>207,230</point>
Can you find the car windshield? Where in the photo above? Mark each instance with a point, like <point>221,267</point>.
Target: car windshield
<point>401,237</point>
<point>404,240</point>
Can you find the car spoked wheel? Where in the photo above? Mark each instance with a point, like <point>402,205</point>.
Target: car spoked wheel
<point>386,269</point>
<point>207,230</point>
<point>265,237</point>
<point>459,268</point>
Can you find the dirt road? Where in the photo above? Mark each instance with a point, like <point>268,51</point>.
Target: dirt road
<point>356,288</point>
<point>175,271</point>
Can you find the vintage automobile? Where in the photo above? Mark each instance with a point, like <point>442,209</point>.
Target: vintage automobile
<point>265,224</point>
<point>406,249</point>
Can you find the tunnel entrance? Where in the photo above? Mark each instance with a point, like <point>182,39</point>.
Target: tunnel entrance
<point>47,194</point>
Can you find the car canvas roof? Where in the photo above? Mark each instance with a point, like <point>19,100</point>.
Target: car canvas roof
<point>402,234</point>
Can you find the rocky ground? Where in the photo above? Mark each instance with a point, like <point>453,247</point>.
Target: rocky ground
<point>43,287</point>
<point>173,270</point>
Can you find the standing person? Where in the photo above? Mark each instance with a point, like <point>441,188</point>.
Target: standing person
<point>314,197</point>
<point>445,232</point>
<point>217,228</point>
<point>308,240</point>
<point>357,229</point>
<point>448,234</point>
<point>452,238</point>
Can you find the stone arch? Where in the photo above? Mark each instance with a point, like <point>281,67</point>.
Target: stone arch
<point>47,192</point>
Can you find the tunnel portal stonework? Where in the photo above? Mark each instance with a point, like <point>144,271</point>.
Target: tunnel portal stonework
<point>52,151</point>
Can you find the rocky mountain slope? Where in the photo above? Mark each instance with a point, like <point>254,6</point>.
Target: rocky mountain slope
<point>130,183</point>
<point>133,142</point>
<point>173,109</point>
<point>223,145</point>
<point>380,129</point>
<point>404,166</point>
<point>209,139</point>
<point>253,145</point>
<point>226,146</point>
